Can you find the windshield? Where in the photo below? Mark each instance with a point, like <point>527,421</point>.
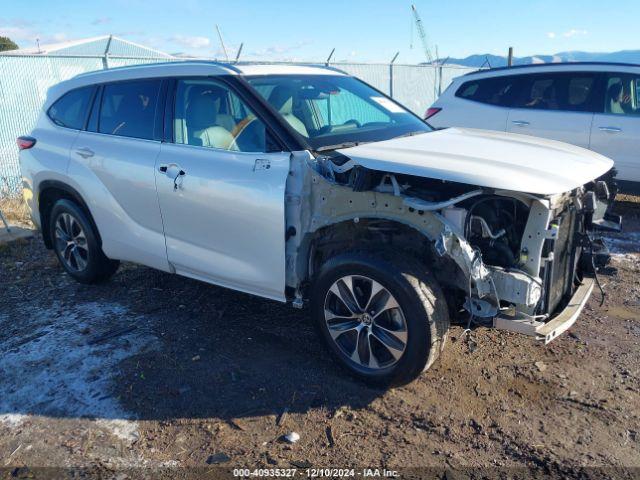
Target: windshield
<point>335,110</point>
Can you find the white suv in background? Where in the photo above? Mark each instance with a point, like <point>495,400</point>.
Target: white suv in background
<point>592,105</point>
<point>301,184</point>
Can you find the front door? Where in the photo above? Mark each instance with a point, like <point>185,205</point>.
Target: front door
<point>222,192</point>
<point>616,128</point>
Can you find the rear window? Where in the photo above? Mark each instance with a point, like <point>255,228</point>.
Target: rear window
<point>493,91</point>
<point>71,109</point>
<point>129,108</point>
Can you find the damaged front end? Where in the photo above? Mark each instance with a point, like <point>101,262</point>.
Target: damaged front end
<point>512,260</point>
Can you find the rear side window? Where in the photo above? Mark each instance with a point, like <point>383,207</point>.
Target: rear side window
<point>493,91</point>
<point>128,109</point>
<point>566,91</point>
<point>71,109</point>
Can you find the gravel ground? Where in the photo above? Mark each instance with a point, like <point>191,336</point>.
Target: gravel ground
<point>154,373</point>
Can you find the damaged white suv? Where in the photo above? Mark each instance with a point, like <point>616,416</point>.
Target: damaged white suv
<point>299,183</point>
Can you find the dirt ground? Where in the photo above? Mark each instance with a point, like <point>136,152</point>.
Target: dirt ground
<point>161,375</point>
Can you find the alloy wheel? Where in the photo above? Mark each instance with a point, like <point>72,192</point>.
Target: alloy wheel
<point>365,321</point>
<point>71,242</point>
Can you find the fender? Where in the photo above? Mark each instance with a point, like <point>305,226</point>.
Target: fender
<point>44,208</point>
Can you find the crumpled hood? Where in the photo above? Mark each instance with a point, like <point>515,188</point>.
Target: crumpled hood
<point>485,158</point>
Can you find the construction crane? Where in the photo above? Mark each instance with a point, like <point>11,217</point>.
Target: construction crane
<point>422,34</point>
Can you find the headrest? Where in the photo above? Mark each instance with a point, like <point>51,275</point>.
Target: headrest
<point>201,112</point>
<point>281,99</point>
<point>614,91</point>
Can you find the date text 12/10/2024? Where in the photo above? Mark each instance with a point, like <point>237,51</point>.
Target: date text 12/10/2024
<point>315,473</point>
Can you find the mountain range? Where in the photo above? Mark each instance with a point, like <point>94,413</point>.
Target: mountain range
<point>479,60</point>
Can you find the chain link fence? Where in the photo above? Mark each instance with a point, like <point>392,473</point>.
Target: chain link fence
<point>25,79</point>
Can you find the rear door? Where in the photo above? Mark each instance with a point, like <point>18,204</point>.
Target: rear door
<point>616,127</point>
<point>221,187</point>
<point>555,105</point>
<point>113,166</point>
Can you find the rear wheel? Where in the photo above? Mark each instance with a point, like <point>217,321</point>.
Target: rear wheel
<point>383,317</point>
<point>76,245</point>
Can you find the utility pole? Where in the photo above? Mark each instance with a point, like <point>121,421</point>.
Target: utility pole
<point>224,49</point>
<point>510,57</point>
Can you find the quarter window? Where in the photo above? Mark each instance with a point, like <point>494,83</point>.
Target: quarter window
<point>493,91</point>
<point>70,110</point>
<point>129,108</point>
<point>209,114</point>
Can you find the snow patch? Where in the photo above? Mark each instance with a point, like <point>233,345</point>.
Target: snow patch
<point>623,243</point>
<point>12,420</point>
<point>123,429</point>
<point>58,362</point>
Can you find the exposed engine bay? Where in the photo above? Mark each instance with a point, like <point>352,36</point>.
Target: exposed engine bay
<point>512,258</point>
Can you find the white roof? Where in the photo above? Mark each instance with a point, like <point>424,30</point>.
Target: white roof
<point>277,69</point>
<point>179,68</point>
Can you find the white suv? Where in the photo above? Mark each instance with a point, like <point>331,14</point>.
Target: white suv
<point>592,105</point>
<point>303,183</point>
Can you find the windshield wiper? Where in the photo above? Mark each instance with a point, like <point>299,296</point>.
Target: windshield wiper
<point>324,148</point>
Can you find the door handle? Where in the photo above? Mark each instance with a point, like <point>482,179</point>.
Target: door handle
<point>85,152</point>
<point>174,172</point>
<point>520,123</point>
<point>610,129</point>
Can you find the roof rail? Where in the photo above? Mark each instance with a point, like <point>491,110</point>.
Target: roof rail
<point>555,64</point>
<point>160,64</point>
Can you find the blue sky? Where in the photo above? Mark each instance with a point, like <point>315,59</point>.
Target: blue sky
<point>360,30</point>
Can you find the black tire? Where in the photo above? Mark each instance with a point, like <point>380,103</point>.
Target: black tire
<point>421,301</point>
<point>91,266</point>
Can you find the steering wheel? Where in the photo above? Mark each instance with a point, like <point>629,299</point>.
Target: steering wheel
<point>239,129</point>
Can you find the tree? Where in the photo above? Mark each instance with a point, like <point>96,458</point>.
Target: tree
<point>7,44</point>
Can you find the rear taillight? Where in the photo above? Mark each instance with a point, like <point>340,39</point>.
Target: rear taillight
<point>431,112</point>
<point>25,143</point>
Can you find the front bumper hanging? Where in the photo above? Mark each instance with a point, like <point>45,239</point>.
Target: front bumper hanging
<point>557,325</point>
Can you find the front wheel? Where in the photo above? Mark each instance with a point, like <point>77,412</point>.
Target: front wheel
<point>382,316</point>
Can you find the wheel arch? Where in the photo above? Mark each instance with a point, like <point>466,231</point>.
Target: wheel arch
<point>49,192</point>
<point>372,233</point>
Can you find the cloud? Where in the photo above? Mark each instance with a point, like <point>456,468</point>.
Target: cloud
<point>196,43</point>
<point>101,21</point>
<point>574,33</point>
<point>26,36</point>
<point>279,50</point>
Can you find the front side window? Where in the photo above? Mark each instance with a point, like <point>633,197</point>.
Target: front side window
<point>208,114</point>
<point>329,110</point>
<point>70,110</point>
<point>129,108</point>
<point>566,91</point>
<point>622,94</point>
<point>493,91</point>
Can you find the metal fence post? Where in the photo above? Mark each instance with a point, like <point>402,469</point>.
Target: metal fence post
<point>391,74</point>
<point>105,58</point>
